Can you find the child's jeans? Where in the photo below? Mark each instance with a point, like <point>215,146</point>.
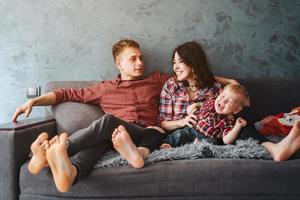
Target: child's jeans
<point>186,135</point>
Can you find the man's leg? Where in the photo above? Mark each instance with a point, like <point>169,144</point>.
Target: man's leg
<point>63,171</point>
<point>38,148</point>
<point>123,143</point>
<point>151,140</point>
<point>99,131</point>
<point>86,146</point>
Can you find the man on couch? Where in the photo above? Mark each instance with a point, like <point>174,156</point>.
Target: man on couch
<point>130,103</point>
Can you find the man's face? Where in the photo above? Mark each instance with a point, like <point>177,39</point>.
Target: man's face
<point>130,63</point>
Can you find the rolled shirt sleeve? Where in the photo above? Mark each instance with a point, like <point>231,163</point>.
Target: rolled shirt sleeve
<point>91,94</point>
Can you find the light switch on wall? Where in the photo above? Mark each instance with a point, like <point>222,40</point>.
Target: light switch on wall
<point>33,92</point>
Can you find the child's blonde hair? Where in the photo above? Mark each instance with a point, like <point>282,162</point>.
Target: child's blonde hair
<point>242,91</point>
<point>121,45</point>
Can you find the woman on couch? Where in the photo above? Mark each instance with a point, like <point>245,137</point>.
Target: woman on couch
<point>193,82</point>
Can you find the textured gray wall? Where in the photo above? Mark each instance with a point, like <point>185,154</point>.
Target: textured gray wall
<point>43,40</point>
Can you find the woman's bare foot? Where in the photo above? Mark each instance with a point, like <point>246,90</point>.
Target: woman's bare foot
<point>287,147</point>
<point>38,149</point>
<point>124,145</point>
<point>63,171</point>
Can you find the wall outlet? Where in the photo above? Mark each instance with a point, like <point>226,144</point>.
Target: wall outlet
<point>33,92</point>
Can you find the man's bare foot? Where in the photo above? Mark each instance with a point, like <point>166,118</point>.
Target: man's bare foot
<point>124,145</point>
<point>38,149</point>
<point>165,146</point>
<point>63,171</point>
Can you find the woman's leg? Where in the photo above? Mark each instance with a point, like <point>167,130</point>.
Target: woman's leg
<point>287,147</point>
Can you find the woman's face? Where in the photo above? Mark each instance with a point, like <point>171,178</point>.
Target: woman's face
<point>182,70</point>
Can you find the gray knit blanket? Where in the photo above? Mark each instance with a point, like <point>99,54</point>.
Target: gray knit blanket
<point>243,149</point>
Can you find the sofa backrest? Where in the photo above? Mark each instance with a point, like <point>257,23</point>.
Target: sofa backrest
<point>72,116</point>
<point>268,96</point>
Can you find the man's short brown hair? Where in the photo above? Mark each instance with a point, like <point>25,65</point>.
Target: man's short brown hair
<point>121,45</point>
<point>242,91</point>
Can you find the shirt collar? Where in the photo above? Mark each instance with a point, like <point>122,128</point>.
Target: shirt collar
<point>118,80</point>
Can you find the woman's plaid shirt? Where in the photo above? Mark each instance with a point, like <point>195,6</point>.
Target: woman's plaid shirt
<point>174,99</point>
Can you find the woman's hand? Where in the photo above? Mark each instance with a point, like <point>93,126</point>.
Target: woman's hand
<point>193,108</point>
<point>190,120</point>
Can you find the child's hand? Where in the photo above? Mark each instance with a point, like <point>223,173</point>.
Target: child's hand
<point>241,122</point>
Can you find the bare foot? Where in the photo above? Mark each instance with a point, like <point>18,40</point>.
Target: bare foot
<point>63,171</point>
<point>288,146</point>
<point>38,149</point>
<point>124,145</point>
<point>165,146</point>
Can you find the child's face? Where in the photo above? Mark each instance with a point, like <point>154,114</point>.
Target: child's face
<point>228,102</point>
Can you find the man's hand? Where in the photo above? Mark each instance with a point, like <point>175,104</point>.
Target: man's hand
<point>241,122</point>
<point>25,108</point>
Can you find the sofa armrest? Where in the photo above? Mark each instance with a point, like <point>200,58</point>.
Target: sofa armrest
<point>15,141</point>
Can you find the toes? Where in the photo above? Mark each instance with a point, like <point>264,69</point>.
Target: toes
<point>53,140</point>
<point>63,138</point>
<point>122,128</point>
<point>45,144</point>
<point>115,133</point>
<point>42,137</point>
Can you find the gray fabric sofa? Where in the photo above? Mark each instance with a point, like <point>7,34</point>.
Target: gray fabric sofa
<point>180,179</point>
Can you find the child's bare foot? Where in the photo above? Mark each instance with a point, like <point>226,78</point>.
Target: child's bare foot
<point>63,171</point>
<point>124,145</point>
<point>38,149</point>
<point>165,146</point>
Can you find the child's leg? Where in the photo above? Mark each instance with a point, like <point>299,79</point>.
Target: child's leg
<point>286,147</point>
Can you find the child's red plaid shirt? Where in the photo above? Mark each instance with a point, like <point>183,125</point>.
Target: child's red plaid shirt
<point>212,124</point>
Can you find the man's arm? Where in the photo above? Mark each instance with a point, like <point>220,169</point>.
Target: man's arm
<point>225,81</point>
<point>44,100</point>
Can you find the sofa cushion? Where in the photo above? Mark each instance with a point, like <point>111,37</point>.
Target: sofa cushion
<point>180,178</point>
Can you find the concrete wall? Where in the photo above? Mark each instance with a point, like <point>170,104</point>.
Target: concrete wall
<point>43,40</point>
